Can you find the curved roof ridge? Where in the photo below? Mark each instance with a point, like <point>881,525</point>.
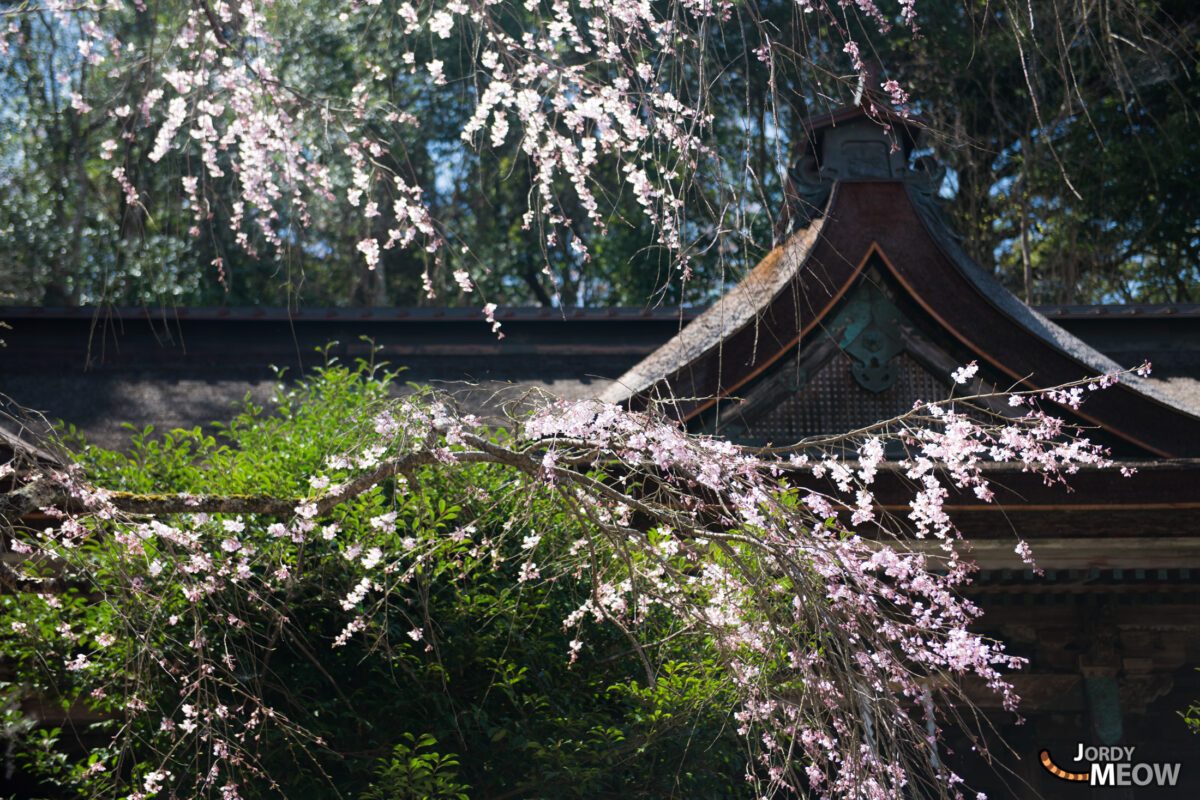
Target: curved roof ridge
<point>1013,307</point>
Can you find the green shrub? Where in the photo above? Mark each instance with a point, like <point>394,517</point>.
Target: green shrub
<point>461,682</point>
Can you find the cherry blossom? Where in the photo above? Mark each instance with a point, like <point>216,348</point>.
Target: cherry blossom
<point>575,87</point>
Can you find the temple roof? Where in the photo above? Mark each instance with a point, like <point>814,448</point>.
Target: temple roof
<point>873,298</point>
<point>98,370</point>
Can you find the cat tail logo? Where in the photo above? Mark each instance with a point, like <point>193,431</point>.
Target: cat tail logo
<point>1058,771</point>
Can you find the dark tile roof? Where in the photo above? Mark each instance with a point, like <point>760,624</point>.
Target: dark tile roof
<point>100,370</point>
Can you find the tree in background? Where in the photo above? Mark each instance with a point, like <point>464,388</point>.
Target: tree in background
<point>1071,132</point>
<point>572,153</point>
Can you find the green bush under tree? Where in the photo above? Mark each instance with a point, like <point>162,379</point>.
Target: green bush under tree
<point>487,702</point>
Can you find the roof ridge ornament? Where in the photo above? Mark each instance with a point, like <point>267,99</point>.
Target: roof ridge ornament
<point>866,141</point>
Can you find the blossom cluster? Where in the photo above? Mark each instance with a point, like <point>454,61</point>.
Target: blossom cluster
<point>574,87</point>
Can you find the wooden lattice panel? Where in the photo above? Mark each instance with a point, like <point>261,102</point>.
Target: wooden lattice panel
<point>832,401</point>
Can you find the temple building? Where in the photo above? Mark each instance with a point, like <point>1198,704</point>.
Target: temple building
<point>865,306</point>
